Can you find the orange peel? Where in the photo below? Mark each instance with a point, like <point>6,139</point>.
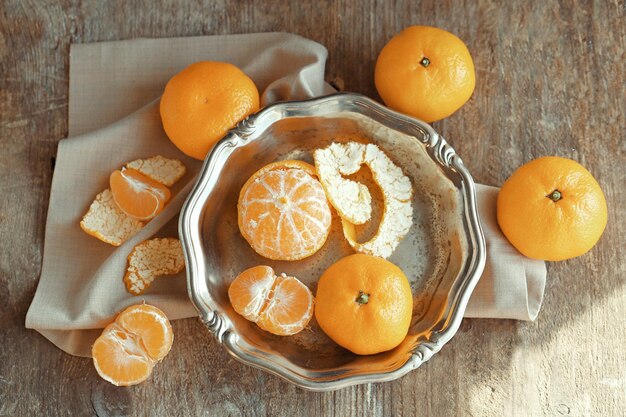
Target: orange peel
<point>353,200</point>
<point>151,259</point>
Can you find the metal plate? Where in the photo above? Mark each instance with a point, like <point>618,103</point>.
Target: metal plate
<point>443,255</point>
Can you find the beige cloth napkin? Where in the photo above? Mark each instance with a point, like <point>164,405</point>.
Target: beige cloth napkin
<point>110,123</point>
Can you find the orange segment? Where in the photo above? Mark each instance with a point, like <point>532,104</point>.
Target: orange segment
<point>289,309</point>
<point>281,305</point>
<point>119,357</point>
<point>127,350</point>
<point>138,195</point>
<point>151,326</point>
<point>283,211</point>
<point>250,290</point>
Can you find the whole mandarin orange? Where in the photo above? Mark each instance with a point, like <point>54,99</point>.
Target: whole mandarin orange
<point>552,208</point>
<point>425,72</point>
<point>202,102</point>
<point>364,303</point>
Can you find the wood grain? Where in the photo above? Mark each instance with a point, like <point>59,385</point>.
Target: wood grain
<point>550,81</point>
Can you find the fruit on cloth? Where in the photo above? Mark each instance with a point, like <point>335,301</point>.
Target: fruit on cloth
<point>552,208</point>
<point>202,102</point>
<point>283,212</point>
<point>138,195</point>
<point>167,171</point>
<point>353,201</point>
<point>127,350</point>
<point>110,223</point>
<point>364,303</point>
<point>107,222</point>
<point>425,72</point>
<point>281,305</point>
<point>150,259</point>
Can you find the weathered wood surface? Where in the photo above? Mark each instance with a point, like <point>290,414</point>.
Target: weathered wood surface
<point>550,80</point>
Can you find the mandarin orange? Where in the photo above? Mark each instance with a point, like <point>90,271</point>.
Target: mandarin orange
<point>552,208</point>
<point>364,303</point>
<point>281,305</point>
<point>127,350</point>
<point>283,212</point>
<point>425,72</point>
<point>202,102</point>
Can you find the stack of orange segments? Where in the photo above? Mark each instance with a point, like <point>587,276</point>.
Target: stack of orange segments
<point>127,350</point>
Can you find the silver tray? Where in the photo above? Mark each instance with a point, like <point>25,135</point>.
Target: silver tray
<point>443,256</point>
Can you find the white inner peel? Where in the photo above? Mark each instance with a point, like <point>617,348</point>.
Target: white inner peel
<point>353,200</point>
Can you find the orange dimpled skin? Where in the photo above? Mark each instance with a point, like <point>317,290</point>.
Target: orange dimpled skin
<point>127,350</point>
<point>364,303</point>
<point>202,102</point>
<point>283,211</point>
<point>281,305</point>
<point>425,72</point>
<point>552,208</point>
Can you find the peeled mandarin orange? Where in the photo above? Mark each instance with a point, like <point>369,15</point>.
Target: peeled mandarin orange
<point>283,212</point>
<point>138,195</point>
<point>552,208</point>
<point>425,72</point>
<point>364,303</point>
<point>127,350</point>
<point>202,102</point>
<point>281,305</point>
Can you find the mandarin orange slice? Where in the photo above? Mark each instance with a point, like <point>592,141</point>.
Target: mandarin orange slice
<point>283,212</point>
<point>152,327</point>
<point>249,291</point>
<point>138,195</point>
<point>127,350</point>
<point>119,357</point>
<point>281,305</point>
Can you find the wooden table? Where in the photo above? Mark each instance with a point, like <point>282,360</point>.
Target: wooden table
<point>550,81</point>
